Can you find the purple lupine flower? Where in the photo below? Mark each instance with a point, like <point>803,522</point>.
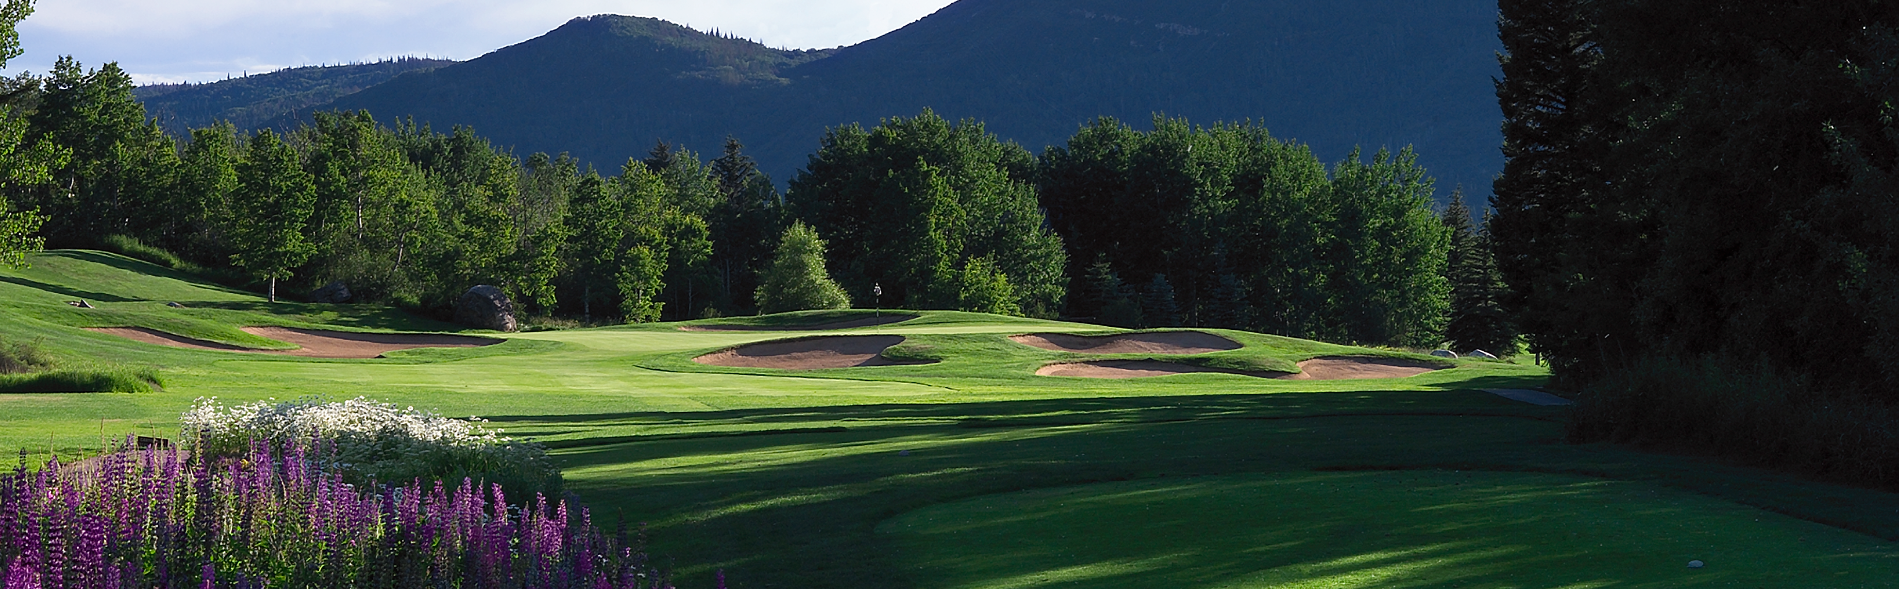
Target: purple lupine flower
<point>210,577</point>
<point>20,575</point>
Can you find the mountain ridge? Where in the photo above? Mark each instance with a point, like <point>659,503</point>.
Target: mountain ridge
<point>1333,75</point>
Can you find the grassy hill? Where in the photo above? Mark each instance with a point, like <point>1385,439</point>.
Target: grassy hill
<point>252,101</point>
<point>974,472</point>
<point>1332,74</point>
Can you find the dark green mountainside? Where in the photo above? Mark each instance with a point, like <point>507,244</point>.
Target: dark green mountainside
<point>251,101</point>
<point>1333,74</point>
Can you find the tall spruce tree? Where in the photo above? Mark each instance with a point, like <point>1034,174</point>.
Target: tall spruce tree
<point>1477,320</point>
<point>744,225</point>
<point>1158,307</point>
<point>1561,241</point>
<point>272,204</point>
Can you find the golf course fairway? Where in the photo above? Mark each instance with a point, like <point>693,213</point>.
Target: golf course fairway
<point>1431,528</point>
<point>951,464</point>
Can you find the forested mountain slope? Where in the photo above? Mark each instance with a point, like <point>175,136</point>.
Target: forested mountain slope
<point>251,101</point>
<point>1334,74</point>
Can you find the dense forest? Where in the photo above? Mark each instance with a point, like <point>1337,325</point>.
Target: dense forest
<point>1218,226</point>
<point>1697,218</point>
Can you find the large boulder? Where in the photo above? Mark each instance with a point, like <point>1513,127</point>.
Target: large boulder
<point>486,307</point>
<point>1444,353</point>
<point>1482,354</point>
<point>332,293</point>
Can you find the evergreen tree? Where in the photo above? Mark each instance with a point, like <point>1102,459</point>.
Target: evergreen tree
<point>1158,307</point>
<point>272,204</point>
<point>119,178</point>
<point>661,157</point>
<point>796,279</point>
<point>1477,320</point>
<point>1110,298</point>
<point>745,224</point>
<point>1556,234</point>
<point>1227,306</point>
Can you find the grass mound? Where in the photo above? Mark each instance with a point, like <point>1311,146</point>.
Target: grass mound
<point>1374,529</point>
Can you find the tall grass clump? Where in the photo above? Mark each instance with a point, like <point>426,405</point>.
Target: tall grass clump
<point>162,518</point>
<point>27,368</point>
<point>1744,412</point>
<point>131,247</point>
<point>124,380</point>
<point>372,441</point>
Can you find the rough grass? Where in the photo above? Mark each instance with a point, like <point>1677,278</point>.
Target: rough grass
<point>783,479</point>
<point>1746,413</point>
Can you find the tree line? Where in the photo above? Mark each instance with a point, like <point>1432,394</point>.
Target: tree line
<point>1697,221</point>
<point>1221,226</point>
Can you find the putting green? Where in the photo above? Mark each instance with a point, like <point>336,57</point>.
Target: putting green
<point>1385,529</point>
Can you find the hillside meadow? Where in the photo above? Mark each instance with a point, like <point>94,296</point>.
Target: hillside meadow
<point>972,471</point>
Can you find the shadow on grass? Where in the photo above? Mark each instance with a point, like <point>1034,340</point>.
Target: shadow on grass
<point>84,295</point>
<point>1388,530</point>
<point>355,316</point>
<point>1033,413</point>
<point>142,267</point>
<point>793,495</point>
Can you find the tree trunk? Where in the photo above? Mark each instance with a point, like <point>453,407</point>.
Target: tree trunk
<point>273,289</point>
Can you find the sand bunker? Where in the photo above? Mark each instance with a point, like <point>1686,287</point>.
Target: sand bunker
<point>1120,369</point>
<point>1334,368</point>
<point>1165,342</point>
<point>313,343</point>
<point>1359,367</point>
<point>809,354</point>
<point>846,324</point>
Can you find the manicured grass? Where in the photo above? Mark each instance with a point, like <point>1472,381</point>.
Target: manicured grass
<point>784,479</point>
<point>1434,528</point>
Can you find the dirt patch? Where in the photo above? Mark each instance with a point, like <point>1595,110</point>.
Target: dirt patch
<point>1332,368</point>
<point>846,324</point>
<point>313,343</point>
<point>1359,367</point>
<point>1165,342</point>
<point>810,353</point>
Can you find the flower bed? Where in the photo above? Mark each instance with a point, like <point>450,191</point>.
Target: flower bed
<point>365,441</point>
<point>166,519</point>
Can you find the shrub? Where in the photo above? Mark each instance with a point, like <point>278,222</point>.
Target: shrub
<point>20,357</point>
<point>1744,412</point>
<point>371,441</point>
<point>163,518</point>
<point>984,289</point>
<point>796,279</point>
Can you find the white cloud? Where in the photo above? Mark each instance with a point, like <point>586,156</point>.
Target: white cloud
<point>202,40</point>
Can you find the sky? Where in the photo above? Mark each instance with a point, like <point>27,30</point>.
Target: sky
<point>207,40</point>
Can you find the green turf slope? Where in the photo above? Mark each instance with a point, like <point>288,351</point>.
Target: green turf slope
<point>857,477</point>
